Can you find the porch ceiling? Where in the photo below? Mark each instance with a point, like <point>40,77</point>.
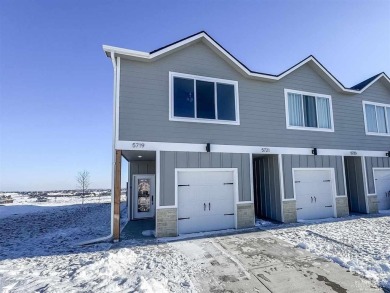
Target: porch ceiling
<point>139,155</point>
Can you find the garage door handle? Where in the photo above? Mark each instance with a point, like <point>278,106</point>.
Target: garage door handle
<point>209,206</point>
<point>229,183</point>
<point>299,209</point>
<point>326,180</point>
<point>183,219</point>
<point>328,206</point>
<point>311,198</point>
<point>180,185</point>
<point>232,214</point>
<point>204,206</point>
<point>315,199</point>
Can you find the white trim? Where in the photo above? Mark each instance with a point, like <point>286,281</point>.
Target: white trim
<point>157,180</point>
<point>202,36</point>
<point>333,180</point>
<point>236,192</point>
<point>114,139</point>
<point>315,95</point>
<point>365,186</point>
<point>373,177</point>
<point>244,202</point>
<point>195,119</point>
<point>129,193</point>
<point>364,103</point>
<point>344,178</point>
<point>118,82</point>
<point>220,148</point>
<point>281,185</point>
<point>166,207</point>
<point>251,177</point>
<point>288,199</point>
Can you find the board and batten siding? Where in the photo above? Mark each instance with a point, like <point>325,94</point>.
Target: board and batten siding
<point>267,187</point>
<point>144,106</point>
<point>303,161</point>
<point>374,162</point>
<point>171,160</point>
<point>355,184</point>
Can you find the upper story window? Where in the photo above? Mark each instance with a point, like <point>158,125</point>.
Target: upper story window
<point>203,99</point>
<point>377,118</point>
<point>308,111</point>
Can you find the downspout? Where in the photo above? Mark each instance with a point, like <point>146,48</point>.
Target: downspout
<point>110,237</point>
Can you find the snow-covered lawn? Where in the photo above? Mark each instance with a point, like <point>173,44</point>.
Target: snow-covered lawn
<point>360,244</point>
<point>39,252</point>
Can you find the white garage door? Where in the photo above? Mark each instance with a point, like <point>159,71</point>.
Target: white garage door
<point>314,194</point>
<point>205,200</point>
<point>382,187</point>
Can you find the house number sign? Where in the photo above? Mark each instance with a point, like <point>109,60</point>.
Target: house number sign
<point>265,150</point>
<point>353,153</point>
<point>138,145</point>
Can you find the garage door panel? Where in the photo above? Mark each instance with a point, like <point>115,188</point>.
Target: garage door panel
<point>312,175</point>
<point>206,198</point>
<point>382,184</point>
<point>191,209</point>
<point>314,194</point>
<point>203,178</point>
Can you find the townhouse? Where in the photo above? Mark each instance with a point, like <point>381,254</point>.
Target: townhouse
<point>211,144</point>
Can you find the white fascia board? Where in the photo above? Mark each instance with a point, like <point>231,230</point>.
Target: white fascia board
<point>145,56</point>
<point>126,52</point>
<point>220,148</point>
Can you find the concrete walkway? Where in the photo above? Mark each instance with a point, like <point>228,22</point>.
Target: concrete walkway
<point>259,262</point>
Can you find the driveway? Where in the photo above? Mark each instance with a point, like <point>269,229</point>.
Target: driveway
<point>259,262</point>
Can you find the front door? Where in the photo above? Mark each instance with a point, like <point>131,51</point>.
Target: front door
<point>144,196</point>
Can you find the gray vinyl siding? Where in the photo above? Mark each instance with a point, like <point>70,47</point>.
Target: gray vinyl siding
<point>171,160</point>
<point>303,161</point>
<point>374,162</point>
<point>144,106</point>
<point>355,187</point>
<point>267,187</point>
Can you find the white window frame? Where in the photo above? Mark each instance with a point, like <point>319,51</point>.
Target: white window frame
<point>203,120</point>
<point>288,126</point>
<point>365,118</point>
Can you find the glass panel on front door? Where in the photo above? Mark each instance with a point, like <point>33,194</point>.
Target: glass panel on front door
<point>144,200</point>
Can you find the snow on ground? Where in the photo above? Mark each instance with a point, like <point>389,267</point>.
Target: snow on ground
<point>39,253</point>
<point>358,243</point>
<point>23,204</point>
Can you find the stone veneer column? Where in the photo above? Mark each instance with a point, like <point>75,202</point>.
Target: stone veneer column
<point>245,215</point>
<point>342,209</point>
<point>372,204</point>
<point>166,222</point>
<point>289,211</point>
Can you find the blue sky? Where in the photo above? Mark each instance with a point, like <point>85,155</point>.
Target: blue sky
<point>56,83</point>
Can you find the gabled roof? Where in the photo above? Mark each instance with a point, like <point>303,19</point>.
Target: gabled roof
<point>362,85</point>
<point>233,61</point>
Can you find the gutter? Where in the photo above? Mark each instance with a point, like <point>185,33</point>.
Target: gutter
<point>111,236</point>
